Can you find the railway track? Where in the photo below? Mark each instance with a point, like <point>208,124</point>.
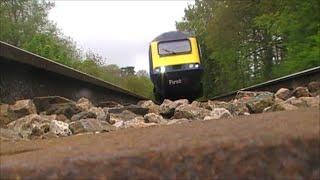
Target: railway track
<point>291,81</point>
<point>24,75</point>
<point>276,144</point>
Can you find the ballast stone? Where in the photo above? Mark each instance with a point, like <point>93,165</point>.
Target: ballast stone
<point>258,103</point>
<point>4,116</point>
<point>283,93</point>
<point>137,122</point>
<point>301,92</point>
<point>67,109</point>
<point>21,108</point>
<point>153,108</point>
<point>83,115</point>
<point>60,128</point>
<point>154,118</point>
<point>218,113</point>
<point>89,125</point>
<point>190,112</point>
<point>84,104</point>
<point>30,125</point>
<point>44,103</point>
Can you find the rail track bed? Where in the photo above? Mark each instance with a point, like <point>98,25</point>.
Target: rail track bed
<point>278,145</point>
<point>24,75</point>
<point>291,81</point>
<point>75,136</point>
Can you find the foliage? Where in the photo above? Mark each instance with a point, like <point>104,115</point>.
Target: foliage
<point>24,23</point>
<point>21,19</point>
<point>142,73</point>
<point>246,42</point>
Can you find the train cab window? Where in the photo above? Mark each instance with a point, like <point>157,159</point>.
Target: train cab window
<point>174,47</point>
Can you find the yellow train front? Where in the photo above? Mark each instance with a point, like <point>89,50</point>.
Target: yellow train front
<point>175,66</point>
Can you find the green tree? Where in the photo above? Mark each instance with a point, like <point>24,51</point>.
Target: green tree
<point>245,42</point>
<point>25,23</point>
<point>142,73</point>
<point>22,19</point>
<point>297,23</point>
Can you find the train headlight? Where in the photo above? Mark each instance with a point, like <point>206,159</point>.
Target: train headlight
<point>157,70</point>
<point>191,66</point>
<point>162,69</point>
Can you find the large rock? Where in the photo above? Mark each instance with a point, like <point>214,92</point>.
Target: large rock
<point>314,88</point>
<point>84,104</point>
<point>100,113</point>
<point>31,125</point>
<point>133,108</point>
<point>67,109</point>
<point>137,122</point>
<point>301,92</point>
<point>297,102</point>
<point>247,96</point>
<point>218,113</point>
<point>195,104</point>
<point>137,109</point>
<point>83,115</point>
<point>237,108</point>
<point>282,106</point>
<point>283,93</point>
<point>304,102</point>
<point>218,104</point>
<point>153,108</point>
<point>60,128</point>
<point>4,116</point>
<point>89,125</point>
<point>204,105</point>
<point>44,103</point>
<point>258,103</point>
<point>311,101</point>
<point>21,108</point>
<point>124,116</point>
<point>167,108</point>
<point>9,134</point>
<point>190,112</point>
<point>154,118</point>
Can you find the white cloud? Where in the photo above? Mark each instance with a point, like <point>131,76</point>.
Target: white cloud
<point>118,30</point>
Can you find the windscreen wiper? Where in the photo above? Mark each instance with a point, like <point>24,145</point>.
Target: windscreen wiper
<point>169,51</point>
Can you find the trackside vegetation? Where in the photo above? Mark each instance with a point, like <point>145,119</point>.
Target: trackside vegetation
<point>247,42</point>
<point>25,24</point>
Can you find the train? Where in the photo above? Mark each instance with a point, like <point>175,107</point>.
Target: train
<point>175,66</point>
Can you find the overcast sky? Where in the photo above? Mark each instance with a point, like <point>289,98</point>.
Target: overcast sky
<point>118,30</point>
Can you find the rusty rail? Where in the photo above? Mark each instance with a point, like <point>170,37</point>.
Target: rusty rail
<point>27,75</point>
<point>291,81</point>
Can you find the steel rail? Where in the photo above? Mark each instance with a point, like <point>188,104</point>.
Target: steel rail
<point>289,81</point>
<point>10,53</point>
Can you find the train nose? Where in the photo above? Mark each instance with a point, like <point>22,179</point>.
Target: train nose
<point>178,83</point>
